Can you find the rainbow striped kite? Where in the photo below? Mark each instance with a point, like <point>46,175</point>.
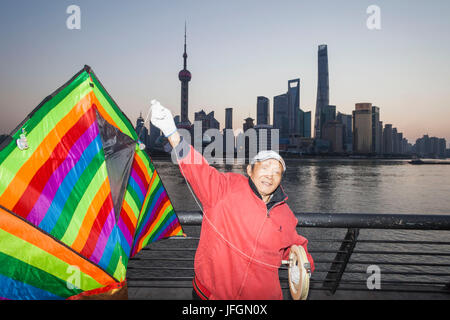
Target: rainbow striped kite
<point>78,197</point>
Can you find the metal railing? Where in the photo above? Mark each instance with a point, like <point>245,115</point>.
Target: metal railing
<point>411,253</point>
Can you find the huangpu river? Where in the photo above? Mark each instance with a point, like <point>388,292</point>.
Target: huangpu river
<point>342,186</point>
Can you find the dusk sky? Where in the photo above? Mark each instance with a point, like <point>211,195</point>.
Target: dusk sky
<point>237,50</point>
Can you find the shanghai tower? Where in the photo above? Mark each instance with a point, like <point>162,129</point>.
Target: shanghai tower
<point>323,94</point>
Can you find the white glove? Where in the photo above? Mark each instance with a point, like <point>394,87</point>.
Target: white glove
<point>162,118</point>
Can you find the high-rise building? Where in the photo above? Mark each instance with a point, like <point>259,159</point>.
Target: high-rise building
<point>400,142</point>
<point>229,118</point>
<point>184,76</point>
<point>294,107</point>
<point>394,141</point>
<point>208,120</point>
<point>427,144</point>
<point>376,143</point>
<point>155,133</point>
<point>323,94</point>
<point>328,114</point>
<point>434,145</point>
<point>250,146</point>
<point>347,136</point>
<point>442,147</point>
<point>306,124</point>
<point>430,146</point>
<point>262,110</point>
<point>248,124</point>
<point>141,130</point>
<point>229,141</point>
<point>362,128</point>
<point>265,138</point>
<point>332,131</point>
<point>292,122</point>
<point>280,115</point>
<point>380,137</point>
<point>301,120</point>
<point>387,139</point>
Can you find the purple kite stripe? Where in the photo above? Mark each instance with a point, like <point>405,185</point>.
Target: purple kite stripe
<point>138,181</point>
<point>103,237</point>
<point>164,234</point>
<point>149,221</point>
<point>45,199</point>
<point>124,229</point>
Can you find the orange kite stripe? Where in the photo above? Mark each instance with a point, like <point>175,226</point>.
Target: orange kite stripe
<point>143,167</point>
<point>153,224</point>
<point>133,219</point>
<point>28,233</point>
<point>91,215</point>
<point>23,177</point>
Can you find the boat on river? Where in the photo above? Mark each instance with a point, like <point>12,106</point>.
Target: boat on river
<point>420,161</point>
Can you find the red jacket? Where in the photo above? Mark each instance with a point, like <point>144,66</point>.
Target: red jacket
<point>242,243</point>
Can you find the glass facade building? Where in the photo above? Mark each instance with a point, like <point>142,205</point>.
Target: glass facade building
<point>323,94</point>
<point>262,110</point>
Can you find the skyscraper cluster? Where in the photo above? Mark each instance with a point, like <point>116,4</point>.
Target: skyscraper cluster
<point>369,137</point>
<point>293,122</point>
<point>431,147</point>
<point>361,132</point>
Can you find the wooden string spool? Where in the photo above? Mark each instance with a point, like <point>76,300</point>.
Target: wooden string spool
<point>299,284</point>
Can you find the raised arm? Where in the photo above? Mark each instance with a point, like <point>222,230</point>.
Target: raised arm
<point>207,182</point>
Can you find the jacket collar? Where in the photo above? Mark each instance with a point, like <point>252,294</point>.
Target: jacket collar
<point>277,196</point>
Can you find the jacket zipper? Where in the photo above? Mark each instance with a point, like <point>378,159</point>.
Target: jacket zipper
<point>256,245</point>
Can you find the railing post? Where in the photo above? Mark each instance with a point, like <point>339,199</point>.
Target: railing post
<point>339,264</point>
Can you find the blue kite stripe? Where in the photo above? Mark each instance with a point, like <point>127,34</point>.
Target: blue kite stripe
<point>17,290</point>
<point>133,184</point>
<point>148,213</point>
<point>69,182</point>
<point>164,228</point>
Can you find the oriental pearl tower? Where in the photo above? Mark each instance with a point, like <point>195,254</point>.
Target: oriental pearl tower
<point>184,76</point>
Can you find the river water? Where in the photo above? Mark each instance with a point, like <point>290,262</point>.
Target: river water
<point>335,186</point>
<point>343,185</point>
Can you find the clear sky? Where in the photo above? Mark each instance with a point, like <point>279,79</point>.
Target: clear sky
<point>237,50</point>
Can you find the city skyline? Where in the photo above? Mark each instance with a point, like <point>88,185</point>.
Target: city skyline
<point>233,61</point>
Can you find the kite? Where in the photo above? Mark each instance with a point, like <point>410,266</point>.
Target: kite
<point>78,197</point>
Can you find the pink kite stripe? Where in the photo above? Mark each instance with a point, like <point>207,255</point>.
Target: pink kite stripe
<point>149,219</point>
<point>138,181</point>
<point>126,233</point>
<point>103,237</point>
